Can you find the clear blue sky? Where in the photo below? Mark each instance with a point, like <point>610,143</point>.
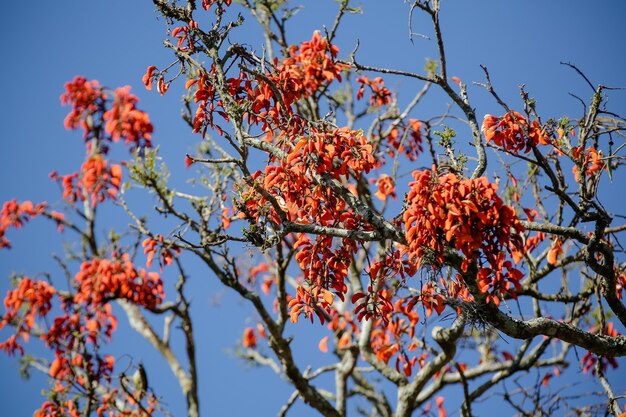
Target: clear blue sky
<point>48,43</point>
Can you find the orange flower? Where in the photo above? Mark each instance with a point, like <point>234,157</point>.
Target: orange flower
<point>323,345</point>
<point>249,338</point>
<point>386,188</point>
<point>147,77</point>
<point>555,251</point>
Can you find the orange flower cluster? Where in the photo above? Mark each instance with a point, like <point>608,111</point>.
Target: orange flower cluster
<point>97,181</point>
<point>409,142</point>
<point>165,250</point>
<point>89,110</point>
<point>310,302</point>
<point>307,68</point>
<point>125,121</point>
<point>103,280</point>
<point>83,96</point>
<point>392,322</point>
<point>15,214</point>
<point>24,304</point>
<point>210,102</point>
<point>341,152</point>
<point>381,96</point>
<point>86,319</point>
<point>96,323</point>
<point>468,215</point>
<point>324,266</point>
<point>513,132</point>
<point>590,160</point>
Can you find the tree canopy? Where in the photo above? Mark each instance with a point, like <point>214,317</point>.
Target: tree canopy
<point>399,250</point>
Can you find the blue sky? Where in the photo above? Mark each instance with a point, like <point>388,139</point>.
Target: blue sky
<point>47,43</point>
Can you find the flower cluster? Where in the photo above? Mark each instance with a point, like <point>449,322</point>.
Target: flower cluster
<point>406,139</point>
<point>159,246</point>
<point>341,152</point>
<point>307,68</point>
<point>15,214</point>
<point>380,96</point>
<point>97,181</point>
<point>311,302</point>
<point>83,96</point>
<point>90,110</point>
<point>125,121</point>
<point>590,160</point>
<point>393,320</point>
<point>103,280</point>
<point>386,188</point>
<point>83,320</point>
<point>325,266</point>
<point>513,132</point>
<point>33,297</point>
<point>469,216</point>
<point>269,98</point>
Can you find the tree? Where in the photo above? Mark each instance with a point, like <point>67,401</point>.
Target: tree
<point>436,285</point>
